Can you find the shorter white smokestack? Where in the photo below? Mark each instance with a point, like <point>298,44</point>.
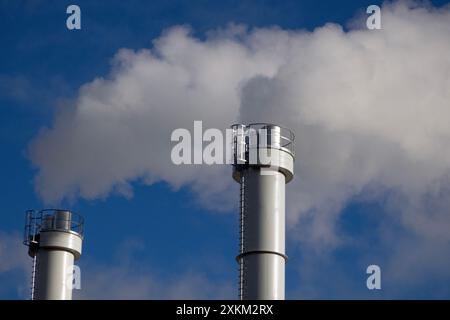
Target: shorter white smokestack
<point>54,238</point>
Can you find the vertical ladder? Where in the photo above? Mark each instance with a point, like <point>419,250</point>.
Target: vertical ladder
<point>33,276</point>
<point>242,216</point>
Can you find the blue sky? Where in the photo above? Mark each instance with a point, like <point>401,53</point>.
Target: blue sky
<point>162,234</point>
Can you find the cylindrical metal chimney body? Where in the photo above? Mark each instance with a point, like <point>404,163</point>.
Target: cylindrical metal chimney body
<point>268,166</point>
<point>54,238</point>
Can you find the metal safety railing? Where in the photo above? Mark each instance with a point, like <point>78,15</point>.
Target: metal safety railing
<point>259,135</point>
<point>37,221</point>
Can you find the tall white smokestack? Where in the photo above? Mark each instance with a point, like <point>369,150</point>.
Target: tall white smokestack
<point>263,164</point>
<point>54,238</point>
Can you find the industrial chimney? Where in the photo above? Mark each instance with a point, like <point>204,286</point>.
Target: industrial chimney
<point>263,163</point>
<point>54,239</point>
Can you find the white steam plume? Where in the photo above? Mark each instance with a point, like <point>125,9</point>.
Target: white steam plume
<point>370,110</point>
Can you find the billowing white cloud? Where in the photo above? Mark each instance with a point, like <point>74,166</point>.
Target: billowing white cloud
<point>14,264</point>
<point>12,253</point>
<point>370,110</point>
<point>132,277</point>
<point>119,128</point>
<point>128,282</point>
